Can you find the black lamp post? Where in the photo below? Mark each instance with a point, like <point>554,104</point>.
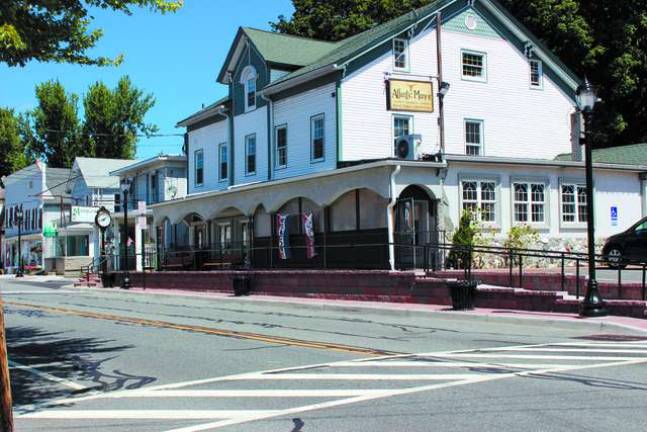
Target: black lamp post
<point>19,217</point>
<point>125,187</point>
<point>443,89</point>
<point>593,305</point>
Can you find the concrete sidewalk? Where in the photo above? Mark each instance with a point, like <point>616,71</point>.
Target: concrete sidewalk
<point>402,309</point>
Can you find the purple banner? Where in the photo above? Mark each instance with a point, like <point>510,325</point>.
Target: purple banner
<point>308,228</point>
<point>283,235</point>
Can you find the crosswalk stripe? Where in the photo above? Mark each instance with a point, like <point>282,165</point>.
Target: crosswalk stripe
<point>359,377</point>
<point>423,364</point>
<point>534,356</point>
<point>252,393</point>
<point>67,383</point>
<point>147,414</point>
<point>593,350</point>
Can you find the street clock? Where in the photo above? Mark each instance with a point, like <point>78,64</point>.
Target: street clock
<point>103,219</point>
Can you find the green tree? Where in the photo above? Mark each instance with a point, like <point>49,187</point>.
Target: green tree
<point>56,125</point>
<point>58,30</point>
<point>12,153</point>
<point>114,118</point>
<point>605,41</point>
<point>338,19</point>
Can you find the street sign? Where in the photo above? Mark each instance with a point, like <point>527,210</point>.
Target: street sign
<point>614,216</point>
<point>84,214</point>
<point>141,222</point>
<point>141,208</point>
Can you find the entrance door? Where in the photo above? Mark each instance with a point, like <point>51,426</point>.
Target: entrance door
<point>415,227</point>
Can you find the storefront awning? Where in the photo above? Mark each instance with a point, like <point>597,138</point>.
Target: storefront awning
<point>76,229</point>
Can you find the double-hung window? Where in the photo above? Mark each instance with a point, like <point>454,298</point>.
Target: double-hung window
<point>400,54</point>
<point>223,162</point>
<point>474,66</point>
<point>281,146</point>
<point>479,197</point>
<point>198,162</point>
<point>250,154</point>
<point>529,202</point>
<point>248,79</point>
<point>251,93</point>
<point>573,203</point>
<point>536,74</point>
<point>402,125</point>
<point>474,137</point>
<point>317,141</point>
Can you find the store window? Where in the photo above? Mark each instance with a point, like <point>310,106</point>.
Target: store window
<point>573,203</point>
<point>479,197</point>
<point>529,202</point>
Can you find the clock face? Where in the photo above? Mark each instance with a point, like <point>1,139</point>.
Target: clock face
<point>104,219</point>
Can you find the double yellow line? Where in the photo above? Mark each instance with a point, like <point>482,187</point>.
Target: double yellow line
<point>207,330</point>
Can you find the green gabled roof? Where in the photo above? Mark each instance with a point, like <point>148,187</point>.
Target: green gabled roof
<point>635,154</point>
<point>286,49</point>
<point>349,47</point>
<point>222,101</point>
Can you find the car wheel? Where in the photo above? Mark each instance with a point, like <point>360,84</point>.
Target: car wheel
<point>614,257</point>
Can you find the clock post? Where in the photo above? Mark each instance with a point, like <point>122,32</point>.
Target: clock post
<point>103,219</point>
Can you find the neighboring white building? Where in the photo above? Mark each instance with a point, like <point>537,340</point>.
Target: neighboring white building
<point>152,181</point>
<point>40,191</point>
<point>350,131</point>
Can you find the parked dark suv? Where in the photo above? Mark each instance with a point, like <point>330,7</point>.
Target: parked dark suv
<point>627,246</point>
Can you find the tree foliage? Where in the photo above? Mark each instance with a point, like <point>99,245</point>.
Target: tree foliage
<point>603,40</point>
<point>59,30</point>
<point>56,125</point>
<point>12,153</point>
<point>114,118</point>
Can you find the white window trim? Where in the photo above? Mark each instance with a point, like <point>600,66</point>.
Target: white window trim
<point>411,119</point>
<point>277,165</point>
<point>314,118</point>
<point>248,74</point>
<point>539,86</point>
<point>545,225</point>
<point>195,168</point>
<point>407,65</point>
<point>481,134</point>
<point>482,78</point>
<point>476,177</point>
<point>570,182</point>
<point>247,171</point>
<point>220,147</point>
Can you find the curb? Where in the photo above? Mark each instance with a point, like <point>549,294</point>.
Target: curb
<point>374,308</point>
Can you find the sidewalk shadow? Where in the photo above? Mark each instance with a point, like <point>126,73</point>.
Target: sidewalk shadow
<point>79,360</point>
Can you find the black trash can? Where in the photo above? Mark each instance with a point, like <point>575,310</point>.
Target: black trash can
<point>242,285</point>
<point>107,280</point>
<point>463,293</point>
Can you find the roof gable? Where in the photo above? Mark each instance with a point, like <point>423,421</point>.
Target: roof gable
<point>96,171</point>
<point>353,47</point>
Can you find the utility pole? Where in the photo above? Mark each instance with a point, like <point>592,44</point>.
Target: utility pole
<point>6,412</point>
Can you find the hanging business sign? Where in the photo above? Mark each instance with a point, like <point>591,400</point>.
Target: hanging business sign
<point>404,95</point>
<point>84,214</point>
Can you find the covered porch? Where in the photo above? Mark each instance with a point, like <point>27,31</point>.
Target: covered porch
<point>371,216</point>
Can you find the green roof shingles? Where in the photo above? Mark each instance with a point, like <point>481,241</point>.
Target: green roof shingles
<point>286,49</point>
<point>634,154</point>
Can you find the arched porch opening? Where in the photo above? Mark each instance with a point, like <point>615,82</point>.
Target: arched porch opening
<point>416,225</point>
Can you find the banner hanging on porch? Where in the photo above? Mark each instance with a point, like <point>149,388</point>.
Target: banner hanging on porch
<point>283,234</point>
<point>308,228</point>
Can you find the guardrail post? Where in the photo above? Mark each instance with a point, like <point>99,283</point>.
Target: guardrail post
<point>577,278</point>
<point>644,274</point>
<point>620,282</point>
<point>563,273</point>
<point>510,264</point>
<point>520,271</point>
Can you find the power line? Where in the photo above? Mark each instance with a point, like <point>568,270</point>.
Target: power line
<point>153,135</point>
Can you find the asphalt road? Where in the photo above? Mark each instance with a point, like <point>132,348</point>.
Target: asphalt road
<point>120,361</point>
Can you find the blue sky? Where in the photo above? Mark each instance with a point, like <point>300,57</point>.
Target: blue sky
<point>176,57</point>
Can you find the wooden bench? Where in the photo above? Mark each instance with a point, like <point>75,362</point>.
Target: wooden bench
<point>174,263</point>
<point>227,262</point>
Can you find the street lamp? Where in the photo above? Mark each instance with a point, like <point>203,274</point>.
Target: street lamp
<point>443,89</point>
<point>125,187</point>
<point>19,217</point>
<point>593,305</point>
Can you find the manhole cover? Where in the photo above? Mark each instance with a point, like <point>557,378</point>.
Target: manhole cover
<point>612,337</point>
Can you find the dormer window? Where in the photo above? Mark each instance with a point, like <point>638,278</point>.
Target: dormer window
<point>248,80</point>
<point>400,54</point>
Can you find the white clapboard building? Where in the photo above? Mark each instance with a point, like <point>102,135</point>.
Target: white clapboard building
<point>352,133</point>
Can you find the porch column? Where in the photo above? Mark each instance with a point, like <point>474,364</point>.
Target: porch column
<point>390,226</point>
<point>139,243</point>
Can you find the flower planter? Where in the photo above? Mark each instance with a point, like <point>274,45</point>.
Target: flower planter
<point>463,293</point>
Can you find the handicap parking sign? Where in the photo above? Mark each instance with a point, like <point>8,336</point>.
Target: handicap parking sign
<point>614,216</point>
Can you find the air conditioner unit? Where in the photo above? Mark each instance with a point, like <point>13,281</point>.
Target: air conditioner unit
<point>407,147</point>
